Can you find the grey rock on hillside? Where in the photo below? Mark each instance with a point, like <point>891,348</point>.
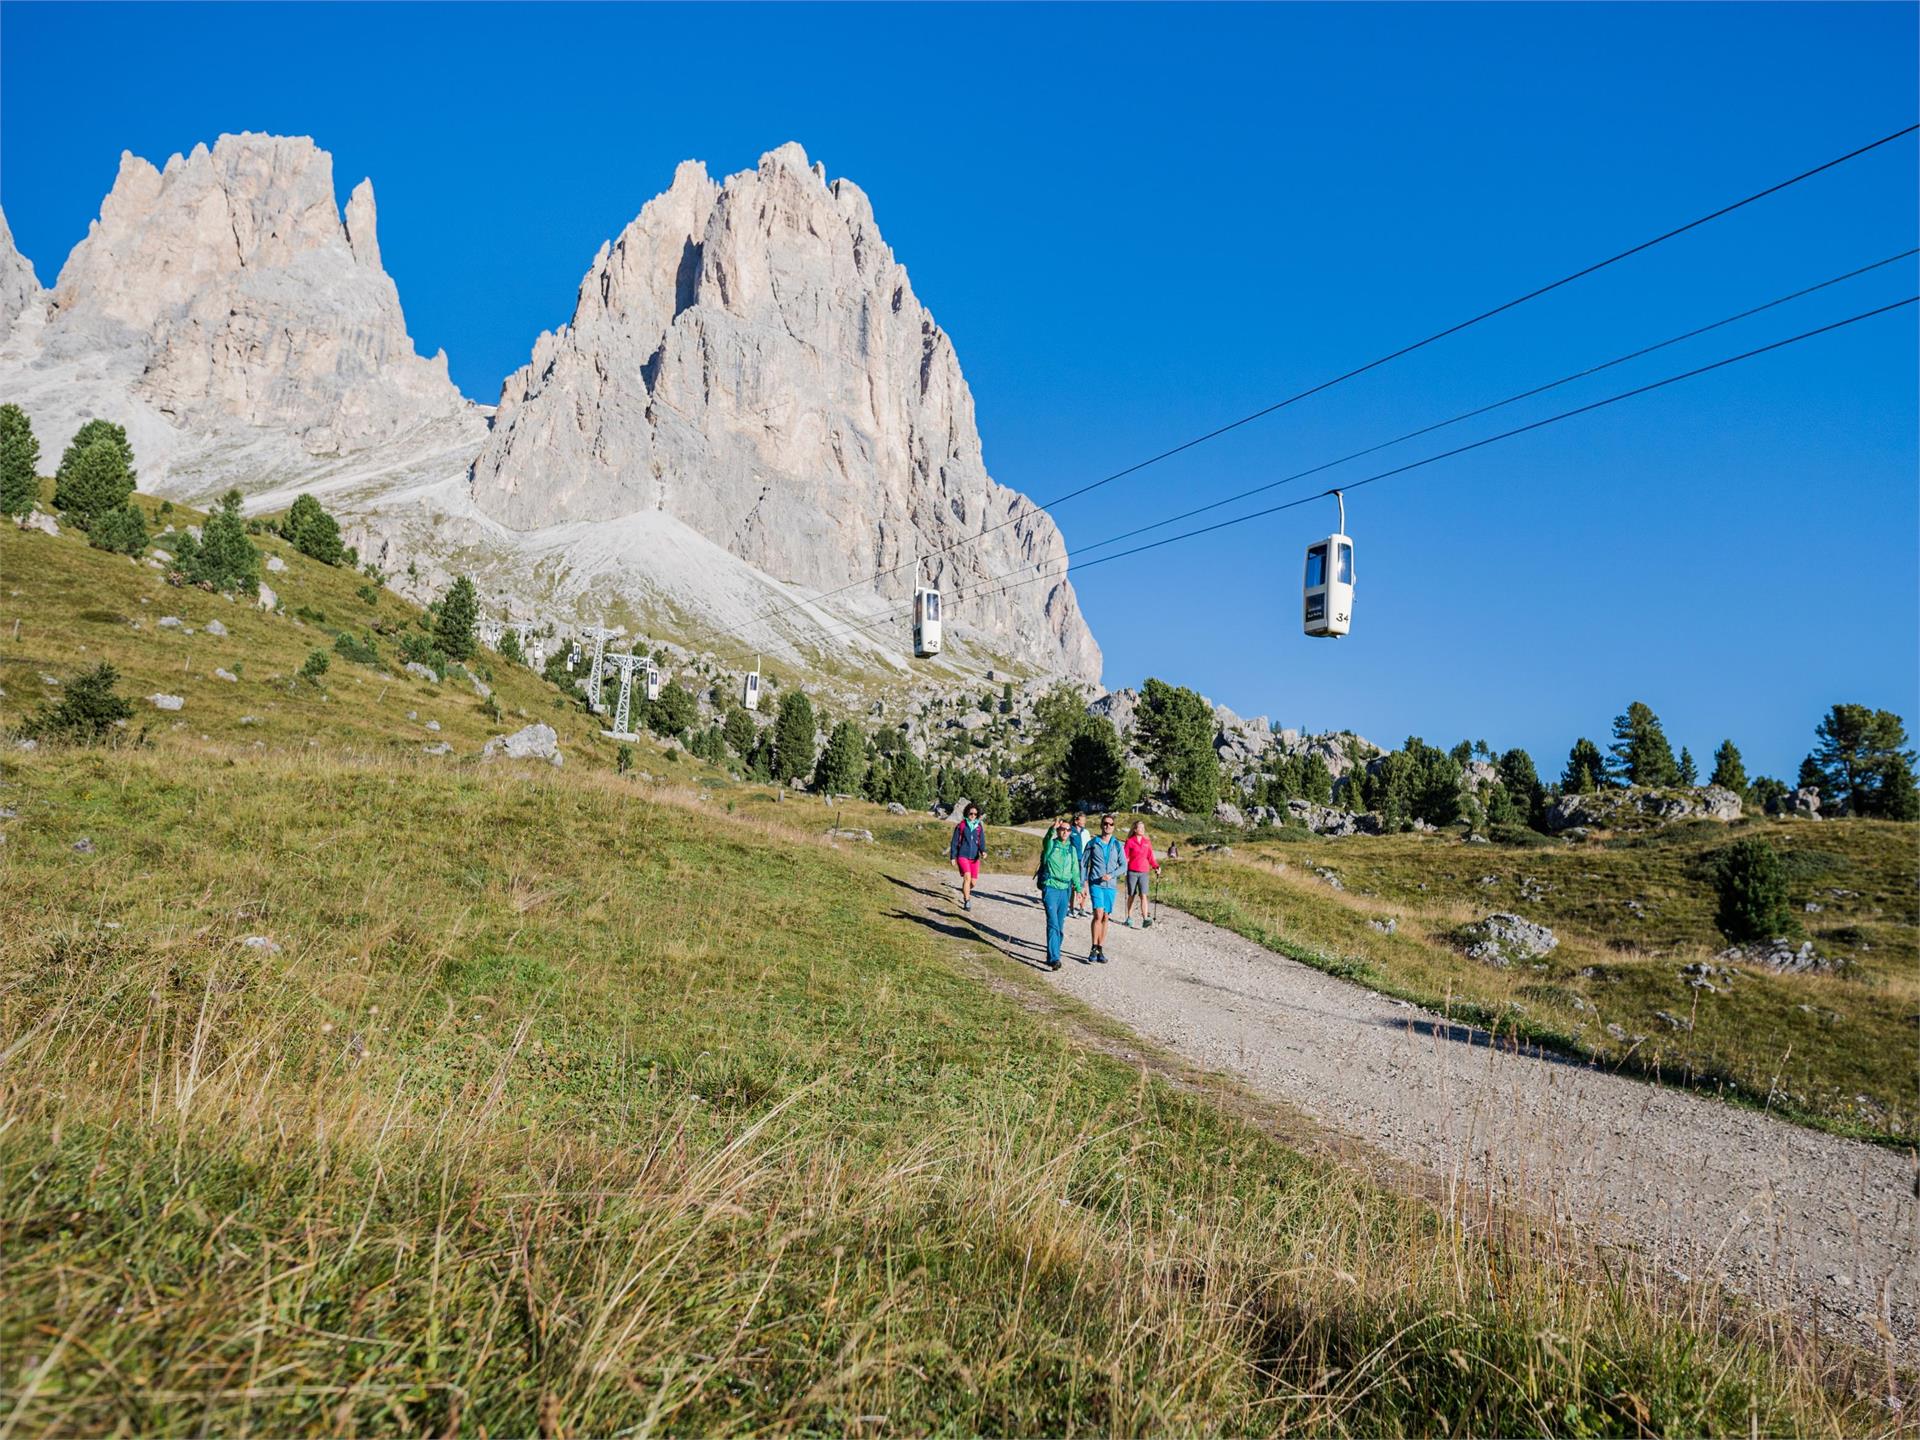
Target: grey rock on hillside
<point>1639,808</point>
<point>749,358</point>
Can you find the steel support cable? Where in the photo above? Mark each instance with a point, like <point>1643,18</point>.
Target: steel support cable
<point>1459,449</point>
<point>975,590</point>
<point>1388,358</point>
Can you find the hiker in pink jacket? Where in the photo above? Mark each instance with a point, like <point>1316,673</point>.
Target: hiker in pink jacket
<point>1141,868</point>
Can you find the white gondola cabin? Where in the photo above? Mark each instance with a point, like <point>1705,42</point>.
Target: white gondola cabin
<point>926,620</point>
<point>1327,595</point>
<point>652,673</point>
<point>750,688</point>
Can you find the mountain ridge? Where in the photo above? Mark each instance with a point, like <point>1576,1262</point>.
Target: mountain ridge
<point>746,357</point>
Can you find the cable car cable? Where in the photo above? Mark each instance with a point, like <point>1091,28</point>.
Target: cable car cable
<point>962,592</point>
<point>1404,350</point>
<point>1460,449</point>
<point>1499,404</point>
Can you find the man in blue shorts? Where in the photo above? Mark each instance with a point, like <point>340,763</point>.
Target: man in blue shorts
<point>1105,863</point>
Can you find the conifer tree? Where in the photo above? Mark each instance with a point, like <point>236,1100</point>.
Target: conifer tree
<point>1522,784</point>
<point>122,530</point>
<point>843,764</point>
<point>1687,772</point>
<point>453,629</point>
<point>224,557</point>
<point>1092,772</point>
<point>740,731</point>
<point>1641,754</point>
<point>96,481</point>
<point>19,462</point>
<point>1856,749</point>
<point>85,436</point>
<point>313,532</point>
<point>1586,769</point>
<point>1729,771</point>
<point>793,752</point>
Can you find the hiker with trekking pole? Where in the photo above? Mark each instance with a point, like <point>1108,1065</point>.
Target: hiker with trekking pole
<point>1141,868</point>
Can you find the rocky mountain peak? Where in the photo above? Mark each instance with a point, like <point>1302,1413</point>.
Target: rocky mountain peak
<point>19,287</point>
<point>749,358</point>
<point>232,277</point>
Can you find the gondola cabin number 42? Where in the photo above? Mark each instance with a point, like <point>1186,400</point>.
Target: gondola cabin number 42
<point>1327,594</point>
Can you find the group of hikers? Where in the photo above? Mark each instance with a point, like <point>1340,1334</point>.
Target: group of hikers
<point>1080,874</point>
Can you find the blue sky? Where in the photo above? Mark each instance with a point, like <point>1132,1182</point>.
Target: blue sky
<point>1138,222</point>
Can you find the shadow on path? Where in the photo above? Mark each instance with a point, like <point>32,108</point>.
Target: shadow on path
<point>1476,1038</point>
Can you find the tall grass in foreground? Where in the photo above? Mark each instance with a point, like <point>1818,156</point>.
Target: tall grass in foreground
<point>562,1112</point>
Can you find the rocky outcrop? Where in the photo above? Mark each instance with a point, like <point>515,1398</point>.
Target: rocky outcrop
<point>749,358</point>
<point>1327,820</point>
<point>246,296</point>
<point>1502,939</point>
<point>533,742</point>
<point>19,288</point>
<point>1637,807</point>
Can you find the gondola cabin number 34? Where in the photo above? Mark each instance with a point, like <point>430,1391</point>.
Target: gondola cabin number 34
<point>1327,594</point>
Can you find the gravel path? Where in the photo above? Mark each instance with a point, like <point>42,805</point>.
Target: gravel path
<point>1780,1214</point>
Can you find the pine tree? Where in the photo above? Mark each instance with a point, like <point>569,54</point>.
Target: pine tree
<point>510,648</point>
<point>1196,781</point>
<point>996,802</point>
<point>1641,754</point>
<point>1586,768</point>
<point>225,558</point>
<point>88,711</point>
<point>793,752</point>
<point>96,481</point>
<point>1895,797</point>
<point>1172,726</point>
<point>85,436</point>
<point>1753,892</point>
<point>19,462</point>
<point>123,531</point>
<point>1729,771</point>
<point>843,764</point>
<point>313,532</point>
<point>453,630</point>
<point>1094,767</point>
<point>674,712</point>
<point>1316,781</point>
<point>1522,784</point>
<point>740,731</point>
<point>1687,772</point>
<point>1855,750</point>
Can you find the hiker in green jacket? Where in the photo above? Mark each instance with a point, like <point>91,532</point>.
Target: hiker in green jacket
<point>1058,877</point>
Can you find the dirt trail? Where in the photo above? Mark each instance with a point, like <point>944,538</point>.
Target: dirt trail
<point>1780,1214</point>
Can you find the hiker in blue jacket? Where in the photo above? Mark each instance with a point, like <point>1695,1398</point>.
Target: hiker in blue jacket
<point>966,849</point>
<point>1104,862</point>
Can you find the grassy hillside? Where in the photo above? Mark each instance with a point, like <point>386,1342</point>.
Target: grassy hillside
<point>344,1087</point>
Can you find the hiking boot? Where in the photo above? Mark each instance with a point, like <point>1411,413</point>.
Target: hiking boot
<point>1100,957</point>
<point>1053,964</point>
<point>966,904</point>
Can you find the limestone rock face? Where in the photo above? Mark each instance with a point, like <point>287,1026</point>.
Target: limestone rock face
<point>749,358</point>
<point>19,289</point>
<point>232,278</point>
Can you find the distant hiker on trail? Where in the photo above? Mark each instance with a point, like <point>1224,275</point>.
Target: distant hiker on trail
<point>1078,835</point>
<point>966,849</point>
<point>1141,867</point>
<point>1105,858</point>
<point>1058,877</point>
